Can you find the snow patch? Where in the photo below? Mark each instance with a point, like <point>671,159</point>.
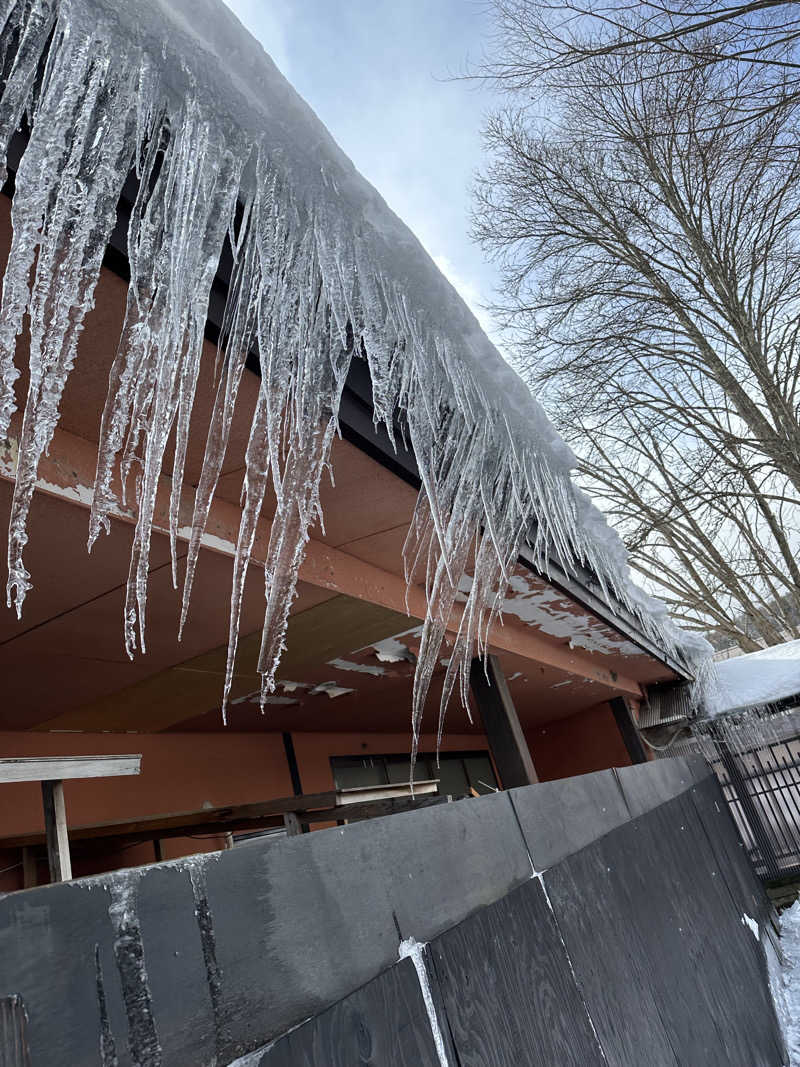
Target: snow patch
<point>547,608</point>
<point>270,698</point>
<point>359,668</point>
<point>757,678</point>
<point>393,651</point>
<point>331,689</point>
<point>751,925</point>
<point>784,978</point>
<point>292,687</point>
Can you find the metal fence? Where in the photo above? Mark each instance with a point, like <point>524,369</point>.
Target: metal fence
<point>762,787</point>
<point>755,754</point>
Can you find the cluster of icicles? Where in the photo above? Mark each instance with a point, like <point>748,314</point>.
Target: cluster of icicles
<point>306,294</point>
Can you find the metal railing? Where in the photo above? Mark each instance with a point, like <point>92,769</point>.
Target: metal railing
<point>762,787</point>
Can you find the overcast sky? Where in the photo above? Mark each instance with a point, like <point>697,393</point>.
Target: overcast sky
<point>378,74</point>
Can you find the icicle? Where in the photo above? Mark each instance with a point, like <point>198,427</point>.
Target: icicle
<point>65,205</point>
<point>322,273</point>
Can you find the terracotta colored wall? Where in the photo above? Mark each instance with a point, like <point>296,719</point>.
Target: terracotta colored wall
<point>313,751</point>
<point>184,772</point>
<point>588,741</point>
<point>180,772</point>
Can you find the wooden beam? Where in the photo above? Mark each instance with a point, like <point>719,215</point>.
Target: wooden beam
<point>501,724</point>
<point>628,730</point>
<point>57,768</point>
<point>67,472</point>
<point>301,811</point>
<point>150,827</point>
<point>55,823</point>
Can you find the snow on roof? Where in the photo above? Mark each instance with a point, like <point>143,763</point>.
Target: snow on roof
<point>757,678</point>
<point>324,272</point>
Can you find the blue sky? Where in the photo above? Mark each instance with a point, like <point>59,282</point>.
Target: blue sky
<point>378,74</point>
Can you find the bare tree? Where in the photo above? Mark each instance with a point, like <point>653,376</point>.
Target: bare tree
<point>540,41</point>
<point>650,252</point>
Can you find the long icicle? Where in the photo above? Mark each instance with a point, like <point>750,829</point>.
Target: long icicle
<point>322,274</point>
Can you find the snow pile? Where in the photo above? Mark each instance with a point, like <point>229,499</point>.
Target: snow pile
<point>757,679</point>
<point>323,273</point>
<point>785,982</point>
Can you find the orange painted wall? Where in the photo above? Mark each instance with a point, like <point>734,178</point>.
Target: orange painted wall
<point>588,741</point>
<point>313,751</point>
<point>180,772</point>
<point>185,772</point>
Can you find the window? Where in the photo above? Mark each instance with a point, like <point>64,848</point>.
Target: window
<point>458,772</point>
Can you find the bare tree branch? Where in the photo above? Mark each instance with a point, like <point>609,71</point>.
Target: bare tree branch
<point>649,243</point>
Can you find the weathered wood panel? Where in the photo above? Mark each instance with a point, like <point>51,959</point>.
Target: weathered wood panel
<point>13,1040</point>
<point>508,989</point>
<point>383,1024</point>
<point>658,947</point>
<point>608,957</point>
<point>201,961</point>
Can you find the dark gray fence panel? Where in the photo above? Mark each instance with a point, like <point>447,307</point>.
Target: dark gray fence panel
<point>711,982</point>
<point>214,956</point>
<point>647,785</point>
<point>383,1023</point>
<point>733,863</point>
<point>508,988</point>
<point>608,957</point>
<point>561,817</point>
<point>667,927</point>
<point>200,961</point>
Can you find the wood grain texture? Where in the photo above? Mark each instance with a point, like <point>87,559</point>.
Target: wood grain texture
<point>508,989</point>
<point>383,1024</point>
<point>51,768</point>
<point>14,1050</point>
<point>609,961</point>
<point>659,947</point>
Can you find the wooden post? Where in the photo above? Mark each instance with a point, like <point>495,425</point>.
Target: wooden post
<point>55,825</point>
<point>29,873</point>
<point>501,723</point>
<point>628,730</point>
<point>292,823</point>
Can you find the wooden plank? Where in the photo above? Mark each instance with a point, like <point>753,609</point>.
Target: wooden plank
<point>151,826</point>
<point>361,794</point>
<point>628,730</point>
<point>508,988</point>
<point>501,723</point>
<point>223,820</point>
<point>55,822</point>
<point>58,768</point>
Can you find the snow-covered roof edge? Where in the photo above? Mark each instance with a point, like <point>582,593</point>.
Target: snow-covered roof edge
<point>760,679</point>
<point>323,271</point>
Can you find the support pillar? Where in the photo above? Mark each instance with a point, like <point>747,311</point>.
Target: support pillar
<point>507,742</point>
<point>55,825</point>
<point>628,729</point>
